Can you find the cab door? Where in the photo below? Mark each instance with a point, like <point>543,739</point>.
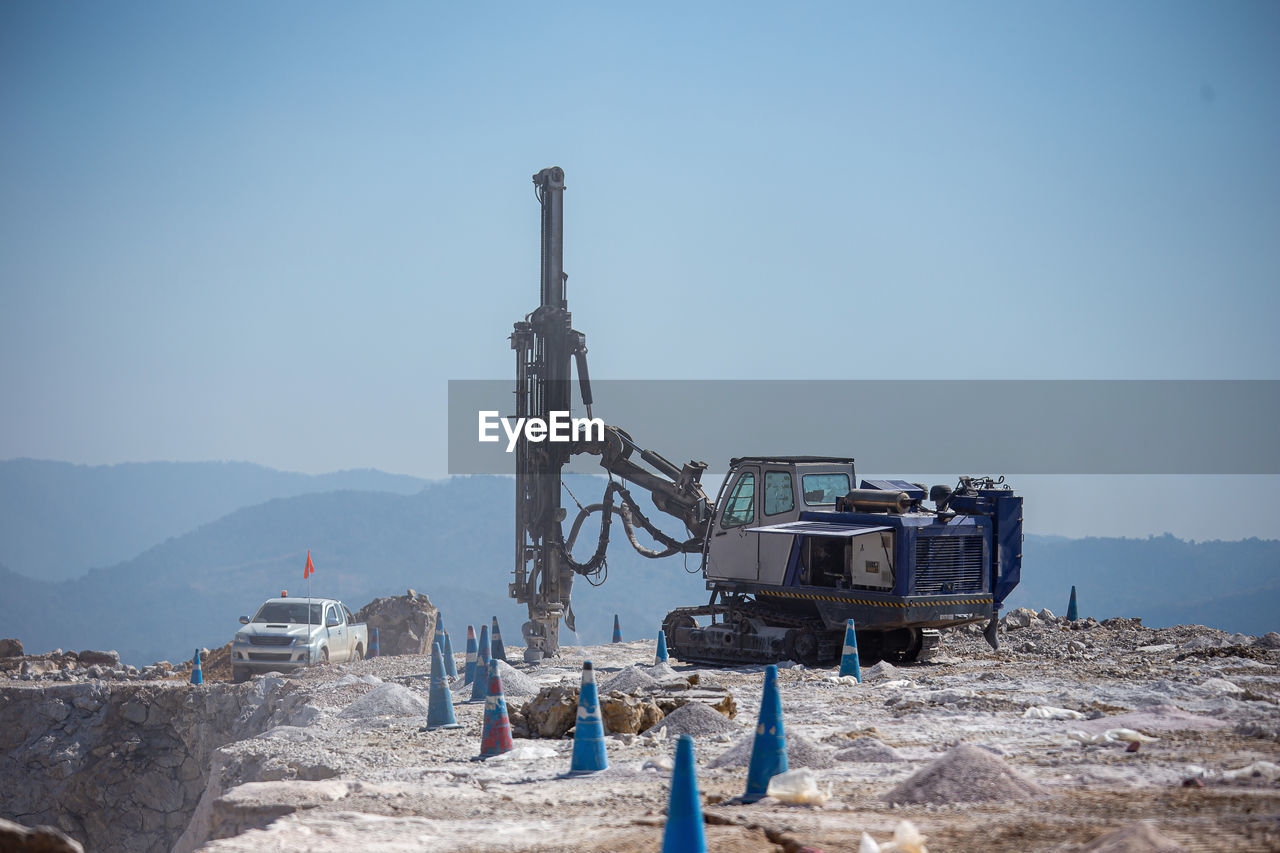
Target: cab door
<point>779,505</point>
<point>733,552</point>
<point>339,641</point>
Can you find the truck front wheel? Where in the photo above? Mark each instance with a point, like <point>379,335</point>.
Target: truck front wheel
<point>239,674</point>
<point>324,655</point>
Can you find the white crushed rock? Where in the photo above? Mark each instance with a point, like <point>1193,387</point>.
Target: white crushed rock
<point>630,679</point>
<point>1221,686</point>
<point>387,700</point>
<point>352,678</point>
<point>801,752</point>
<point>966,774</point>
<point>881,671</point>
<point>695,718</point>
<point>870,750</point>
<point>663,672</point>
<point>515,682</point>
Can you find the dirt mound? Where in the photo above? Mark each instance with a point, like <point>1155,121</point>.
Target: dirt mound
<point>966,774</point>
<point>387,700</point>
<point>216,665</point>
<point>869,749</point>
<point>515,682</point>
<point>1134,838</point>
<point>801,752</point>
<point>696,718</point>
<point>630,680</point>
<point>881,671</point>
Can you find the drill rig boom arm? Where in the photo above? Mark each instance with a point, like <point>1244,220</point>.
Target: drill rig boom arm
<point>545,343</point>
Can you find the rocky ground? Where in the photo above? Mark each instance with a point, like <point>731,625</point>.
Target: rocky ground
<point>1056,714</point>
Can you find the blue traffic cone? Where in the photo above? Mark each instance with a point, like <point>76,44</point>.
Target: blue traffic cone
<point>769,751</point>
<point>450,666</point>
<point>480,685</point>
<point>684,833</point>
<point>469,671</point>
<point>197,676</point>
<point>440,705</point>
<point>661,655</point>
<point>373,645</point>
<point>495,737</point>
<point>498,651</point>
<point>617,629</point>
<point>1073,612</point>
<point>437,638</point>
<point>849,663</point>
<point>588,735</point>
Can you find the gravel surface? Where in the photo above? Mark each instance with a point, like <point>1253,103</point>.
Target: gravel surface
<point>1210,697</point>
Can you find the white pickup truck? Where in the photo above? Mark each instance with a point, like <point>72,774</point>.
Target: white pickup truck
<point>287,633</point>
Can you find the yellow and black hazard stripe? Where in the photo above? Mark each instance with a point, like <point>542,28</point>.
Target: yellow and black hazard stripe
<point>812,596</point>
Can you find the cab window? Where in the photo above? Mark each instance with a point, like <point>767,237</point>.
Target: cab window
<point>824,488</point>
<point>741,508</point>
<point>778,496</point>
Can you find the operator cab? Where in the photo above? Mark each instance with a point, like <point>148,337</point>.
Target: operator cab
<point>767,490</point>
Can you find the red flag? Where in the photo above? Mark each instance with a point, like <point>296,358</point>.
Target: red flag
<point>310,569</point>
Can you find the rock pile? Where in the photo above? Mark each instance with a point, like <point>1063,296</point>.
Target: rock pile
<point>405,623</point>
<point>632,701</point>
<point>630,680</point>
<point>387,700</point>
<point>553,713</point>
<point>515,682</point>
<point>869,749</point>
<point>966,774</point>
<point>1055,637</point>
<point>695,718</point>
<point>801,752</point>
<point>89,664</point>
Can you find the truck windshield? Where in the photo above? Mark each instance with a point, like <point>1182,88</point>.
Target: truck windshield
<point>287,612</point>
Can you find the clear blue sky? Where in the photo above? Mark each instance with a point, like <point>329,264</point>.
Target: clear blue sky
<point>274,231</point>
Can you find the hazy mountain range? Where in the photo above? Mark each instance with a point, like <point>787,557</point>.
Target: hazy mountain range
<point>211,540</point>
<point>58,520</point>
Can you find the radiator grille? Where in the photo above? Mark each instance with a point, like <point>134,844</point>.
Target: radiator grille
<point>269,640</point>
<point>269,656</point>
<point>948,564</point>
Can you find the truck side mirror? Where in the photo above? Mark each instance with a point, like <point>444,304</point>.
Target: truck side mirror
<point>244,620</point>
<point>332,622</point>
